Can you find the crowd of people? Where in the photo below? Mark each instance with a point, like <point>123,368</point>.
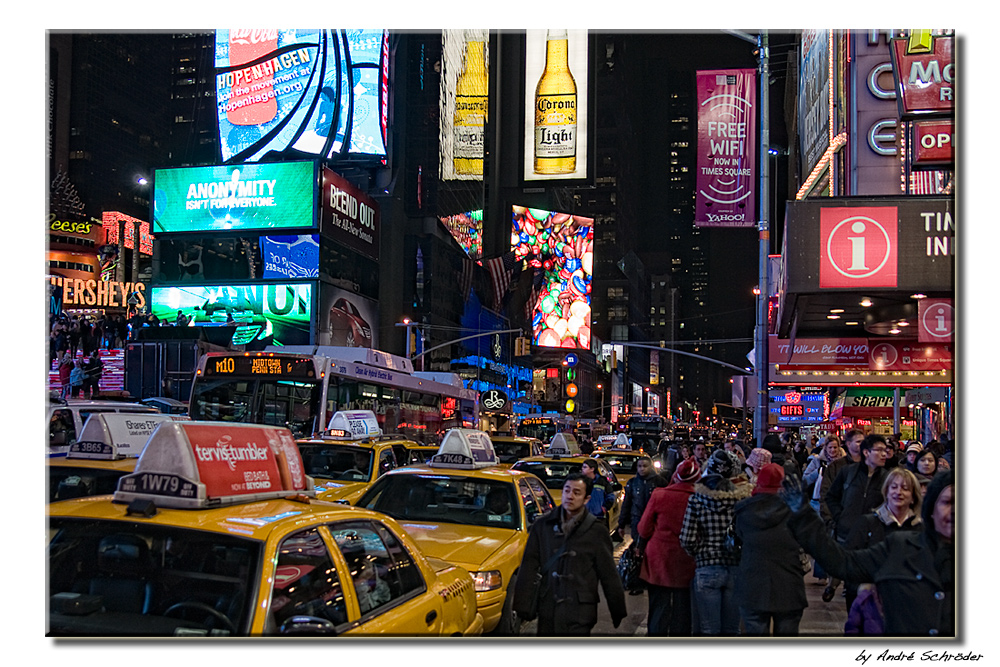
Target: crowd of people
<point>727,538</point>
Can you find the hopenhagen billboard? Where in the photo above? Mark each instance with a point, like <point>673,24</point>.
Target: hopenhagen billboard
<point>301,93</point>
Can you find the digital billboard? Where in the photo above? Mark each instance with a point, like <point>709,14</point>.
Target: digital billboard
<point>285,93</point>
<point>277,195</point>
<point>795,407</point>
<point>464,103</point>
<point>556,94</point>
<point>290,256</point>
<point>350,319</point>
<point>467,230</point>
<point>559,248</point>
<point>264,314</point>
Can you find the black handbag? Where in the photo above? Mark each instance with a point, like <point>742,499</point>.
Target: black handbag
<point>532,611</point>
<point>734,545</point>
<point>629,565</point>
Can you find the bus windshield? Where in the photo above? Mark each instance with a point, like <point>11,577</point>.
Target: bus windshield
<point>258,401</point>
<point>542,430</point>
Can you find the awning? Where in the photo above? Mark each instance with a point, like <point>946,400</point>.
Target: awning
<point>868,402</point>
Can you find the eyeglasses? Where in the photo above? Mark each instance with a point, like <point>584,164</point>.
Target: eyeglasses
<point>879,450</point>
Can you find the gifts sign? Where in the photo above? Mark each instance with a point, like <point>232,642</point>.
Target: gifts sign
<point>727,148</point>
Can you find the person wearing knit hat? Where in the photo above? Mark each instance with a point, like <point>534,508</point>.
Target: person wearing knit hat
<point>912,452</point>
<point>666,568</point>
<point>770,588</point>
<point>703,536</point>
<point>922,605</point>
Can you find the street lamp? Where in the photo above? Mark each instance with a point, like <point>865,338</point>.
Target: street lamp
<point>601,388</point>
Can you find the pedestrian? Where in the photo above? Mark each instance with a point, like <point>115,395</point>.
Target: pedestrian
<point>924,467</point>
<point>666,568</point>
<point>567,555</point>
<point>93,370</point>
<point>700,451</point>
<point>74,336</point>
<point>921,604</point>
<point>812,479</point>
<point>781,452</point>
<point>852,445</point>
<point>855,492</point>
<point>76,378</point>
<point>910,458</point>
<point>758,459</point>
<point>637,493</point>
<point>769,587</point>
<point>800,453</point>
<point>703,536</point>
<point>601,499</point>
<point>65,371</point>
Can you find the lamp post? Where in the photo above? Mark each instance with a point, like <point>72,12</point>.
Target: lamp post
<point>600,387</point>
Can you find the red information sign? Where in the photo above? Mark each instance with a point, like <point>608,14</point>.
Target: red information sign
<point>858,247</point>
<point>935,318</point>
<point>909,356</point>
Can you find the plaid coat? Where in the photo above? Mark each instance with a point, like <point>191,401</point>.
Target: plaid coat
<point>706,521</point>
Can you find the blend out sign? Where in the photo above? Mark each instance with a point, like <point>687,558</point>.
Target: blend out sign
<point>235,198</point>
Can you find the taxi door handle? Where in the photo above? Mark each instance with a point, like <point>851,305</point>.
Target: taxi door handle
<point>431,615</point>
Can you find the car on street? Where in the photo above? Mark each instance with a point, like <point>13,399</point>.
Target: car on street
<point>510,448</point>
<point>67,417</point>
<point>462,507</point>
<point>217,533</point>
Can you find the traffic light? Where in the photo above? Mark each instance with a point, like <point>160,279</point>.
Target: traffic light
<point>522,346</point>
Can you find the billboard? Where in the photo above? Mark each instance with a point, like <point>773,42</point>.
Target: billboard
<point>794,407</point>
<point>464,103</point>
<point>289,257</point>
<point>350,216</point>
<point>727,153</point>
<point>560,250</point>
<point>814,97</point>
<point>467,230</point>
<point>264,314</point>
<point>557,79</point>
<point>219,198</point>
<point>351,319</point>
<point>286,93</point>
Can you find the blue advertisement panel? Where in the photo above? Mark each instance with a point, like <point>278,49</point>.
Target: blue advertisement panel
<point>799,407</point>
<point>263,314</point>
<point>290,256</point>
<point>235,198</point>
<point>301,92</point>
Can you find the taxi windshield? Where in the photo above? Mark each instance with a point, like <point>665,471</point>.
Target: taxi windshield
<point>67,482</point>
<point>552,473</point>
<point>510,451</point>
<point>619,463</point>
<point>444,499</point>
<point>342,462</point>
<point>116,578</point>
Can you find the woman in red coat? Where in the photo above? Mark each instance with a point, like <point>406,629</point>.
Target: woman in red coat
<point>666,567</point>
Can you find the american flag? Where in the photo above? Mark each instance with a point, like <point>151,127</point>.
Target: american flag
<point>465,279</point>
<point>501,269</point>
<point>537,281</point>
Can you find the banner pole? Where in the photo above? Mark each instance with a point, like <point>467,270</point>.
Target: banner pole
<point>761,342</point>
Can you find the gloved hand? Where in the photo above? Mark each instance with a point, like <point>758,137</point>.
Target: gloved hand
<point>792,493</point>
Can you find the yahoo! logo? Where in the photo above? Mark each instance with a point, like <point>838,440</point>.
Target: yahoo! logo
<point>859,247</point>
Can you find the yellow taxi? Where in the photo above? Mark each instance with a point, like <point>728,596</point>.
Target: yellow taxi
<point>218,533</point>
<point>464,508</point>
<point>563,457</point>
<point>512,448</point>
<point>351,454</point>
<point>106,450</point>
<point>623,461</point>
<point>415,452</point>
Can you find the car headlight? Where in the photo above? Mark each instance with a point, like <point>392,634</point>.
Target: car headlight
<point>487,581</point>
<point>657,464</point>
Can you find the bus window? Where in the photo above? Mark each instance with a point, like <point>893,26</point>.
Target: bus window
<point>222,400</point>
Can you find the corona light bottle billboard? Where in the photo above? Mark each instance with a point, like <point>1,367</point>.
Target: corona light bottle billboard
<point>471,96</point>
<point>555,109</point>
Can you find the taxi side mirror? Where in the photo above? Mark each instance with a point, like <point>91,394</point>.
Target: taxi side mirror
<point>307,625</point>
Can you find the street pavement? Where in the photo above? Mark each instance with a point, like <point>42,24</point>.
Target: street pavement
<point>820,619</point>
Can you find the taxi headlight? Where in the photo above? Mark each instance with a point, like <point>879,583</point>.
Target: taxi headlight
<point>487,581</point>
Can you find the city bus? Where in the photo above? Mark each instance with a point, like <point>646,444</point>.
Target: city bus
<point>646,431</point>
<point>301,387</point>
<point>543,428</point>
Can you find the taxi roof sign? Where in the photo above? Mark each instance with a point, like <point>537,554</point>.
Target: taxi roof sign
<point>466,448</point>
<point>353,425</point>
<point>563,444</point>
<point>622,442</point>
<point>197,464</point>
<point>128,432</point>
<point>92,449</point>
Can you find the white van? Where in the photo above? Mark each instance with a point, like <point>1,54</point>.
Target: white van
<point>66,419</point>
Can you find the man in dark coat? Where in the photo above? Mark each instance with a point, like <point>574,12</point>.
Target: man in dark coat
<point>769,586</point>
<point>856,492</point>
<point>913,571</point>
<point>637,493</point>
<point>567,554</point>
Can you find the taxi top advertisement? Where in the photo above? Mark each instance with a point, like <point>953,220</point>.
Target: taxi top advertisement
<point>235,198</point>
<point>127,432</point>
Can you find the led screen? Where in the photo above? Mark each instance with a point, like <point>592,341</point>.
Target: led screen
<point>560,250</point>
<point>309,92</point>
<point>794,407</point>
<point>555,104</point>
<point>237,197</point>
<point>271,314</point>
<point>467,229</point>
<point>290,256</point>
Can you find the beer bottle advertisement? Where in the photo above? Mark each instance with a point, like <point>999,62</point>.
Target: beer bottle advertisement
<point>464,103</point>
<point>555,133</point>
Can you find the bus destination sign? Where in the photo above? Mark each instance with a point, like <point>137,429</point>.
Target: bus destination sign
<point>240,365</point>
